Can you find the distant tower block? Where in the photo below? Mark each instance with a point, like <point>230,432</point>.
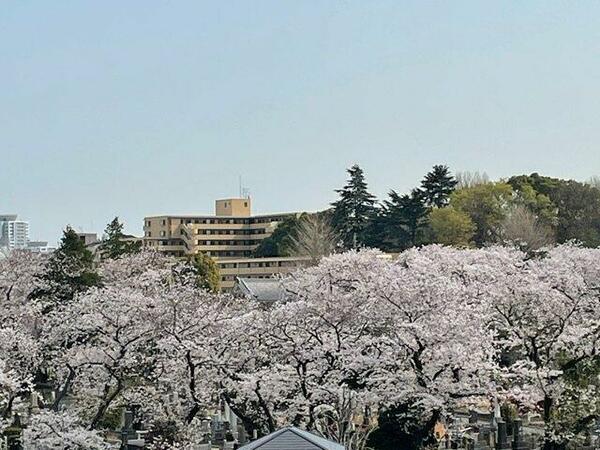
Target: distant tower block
<point>235,207</point>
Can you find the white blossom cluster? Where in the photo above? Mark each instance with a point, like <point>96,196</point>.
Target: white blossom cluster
<point>437,329</point>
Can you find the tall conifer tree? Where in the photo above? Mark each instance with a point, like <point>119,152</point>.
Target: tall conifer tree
<point>69,270</point>
<point>437,186</point>
<point>114,244</point>
<point>405,219</point>
<point>355,209</point>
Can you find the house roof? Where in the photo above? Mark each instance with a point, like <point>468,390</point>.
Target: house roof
<point>262,289</point>
<point>292,438</point>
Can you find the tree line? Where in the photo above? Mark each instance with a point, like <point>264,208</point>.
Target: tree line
<point>466,210</point>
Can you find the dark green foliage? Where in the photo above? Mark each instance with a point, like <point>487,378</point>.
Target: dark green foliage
<point>577,206</point>
<point>399,429</point>
<point>578,213</point>
<point>544,185</point>
<point>113,243</point>
<point>405,220</point>
<point>280,242</point>
<point>567,209</point>
<point>375,234</point>
<point>69,270</point>
<point>437,186</point>
<point>354,211</point>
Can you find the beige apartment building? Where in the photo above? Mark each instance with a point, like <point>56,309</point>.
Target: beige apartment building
<point>257,268</point>
<point>230,236</point>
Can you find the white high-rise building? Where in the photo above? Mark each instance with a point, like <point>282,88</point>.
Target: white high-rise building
<point>14,234</point>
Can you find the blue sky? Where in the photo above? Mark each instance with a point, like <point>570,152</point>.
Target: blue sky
<point>144,107</point>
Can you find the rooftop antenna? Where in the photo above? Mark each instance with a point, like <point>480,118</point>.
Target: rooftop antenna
<point>244,191</point>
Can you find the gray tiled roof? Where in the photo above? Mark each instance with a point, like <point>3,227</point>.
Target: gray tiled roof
<point>292,438</point>
<point>262,289</point>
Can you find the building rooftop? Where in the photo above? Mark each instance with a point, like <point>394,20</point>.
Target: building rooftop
<point>213,216</point>
<point>292,438</point>
<point>258,259</point>
<point>261,289</point>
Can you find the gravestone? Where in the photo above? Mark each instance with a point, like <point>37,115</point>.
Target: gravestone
<point>502,438</point>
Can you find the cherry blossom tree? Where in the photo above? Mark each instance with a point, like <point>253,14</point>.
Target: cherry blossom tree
<point>547,317</point>
<point>311,361</point>
<point>11,385</point>
<point>20,354</point>
<point>433,331</point>
<point>19,279</point>
<point>56,431</point>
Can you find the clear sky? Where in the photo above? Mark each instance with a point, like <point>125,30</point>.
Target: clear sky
<point>134,108</point>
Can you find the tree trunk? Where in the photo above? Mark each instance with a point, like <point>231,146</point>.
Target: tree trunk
<point>65,389</point>
<point>549,443</point>
<point>108,399</point>
<point>429,438</point>
<point>263,405</point>
<point>249,424</point>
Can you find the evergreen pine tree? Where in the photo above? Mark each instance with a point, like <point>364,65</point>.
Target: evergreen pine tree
<point>353,212</point>
<point>113,243</point>
<point>375,232</point>
<point>437,186</point>
<point>69,270</point>
<point>404,219</point>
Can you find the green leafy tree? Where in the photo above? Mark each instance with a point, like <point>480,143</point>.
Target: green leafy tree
<point>69,270</point>
<point>405,218</point>
<point>206,272</point>
<point>354,211</point>
<point>578,213</point>
<point>544,185</point>
<point>539,204</point>
<point>437,186</point>
<point>487,205</point>
<point>449,226</point>
<point>114,243</point>
<point>281,240</point>
<point>576,206</point>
